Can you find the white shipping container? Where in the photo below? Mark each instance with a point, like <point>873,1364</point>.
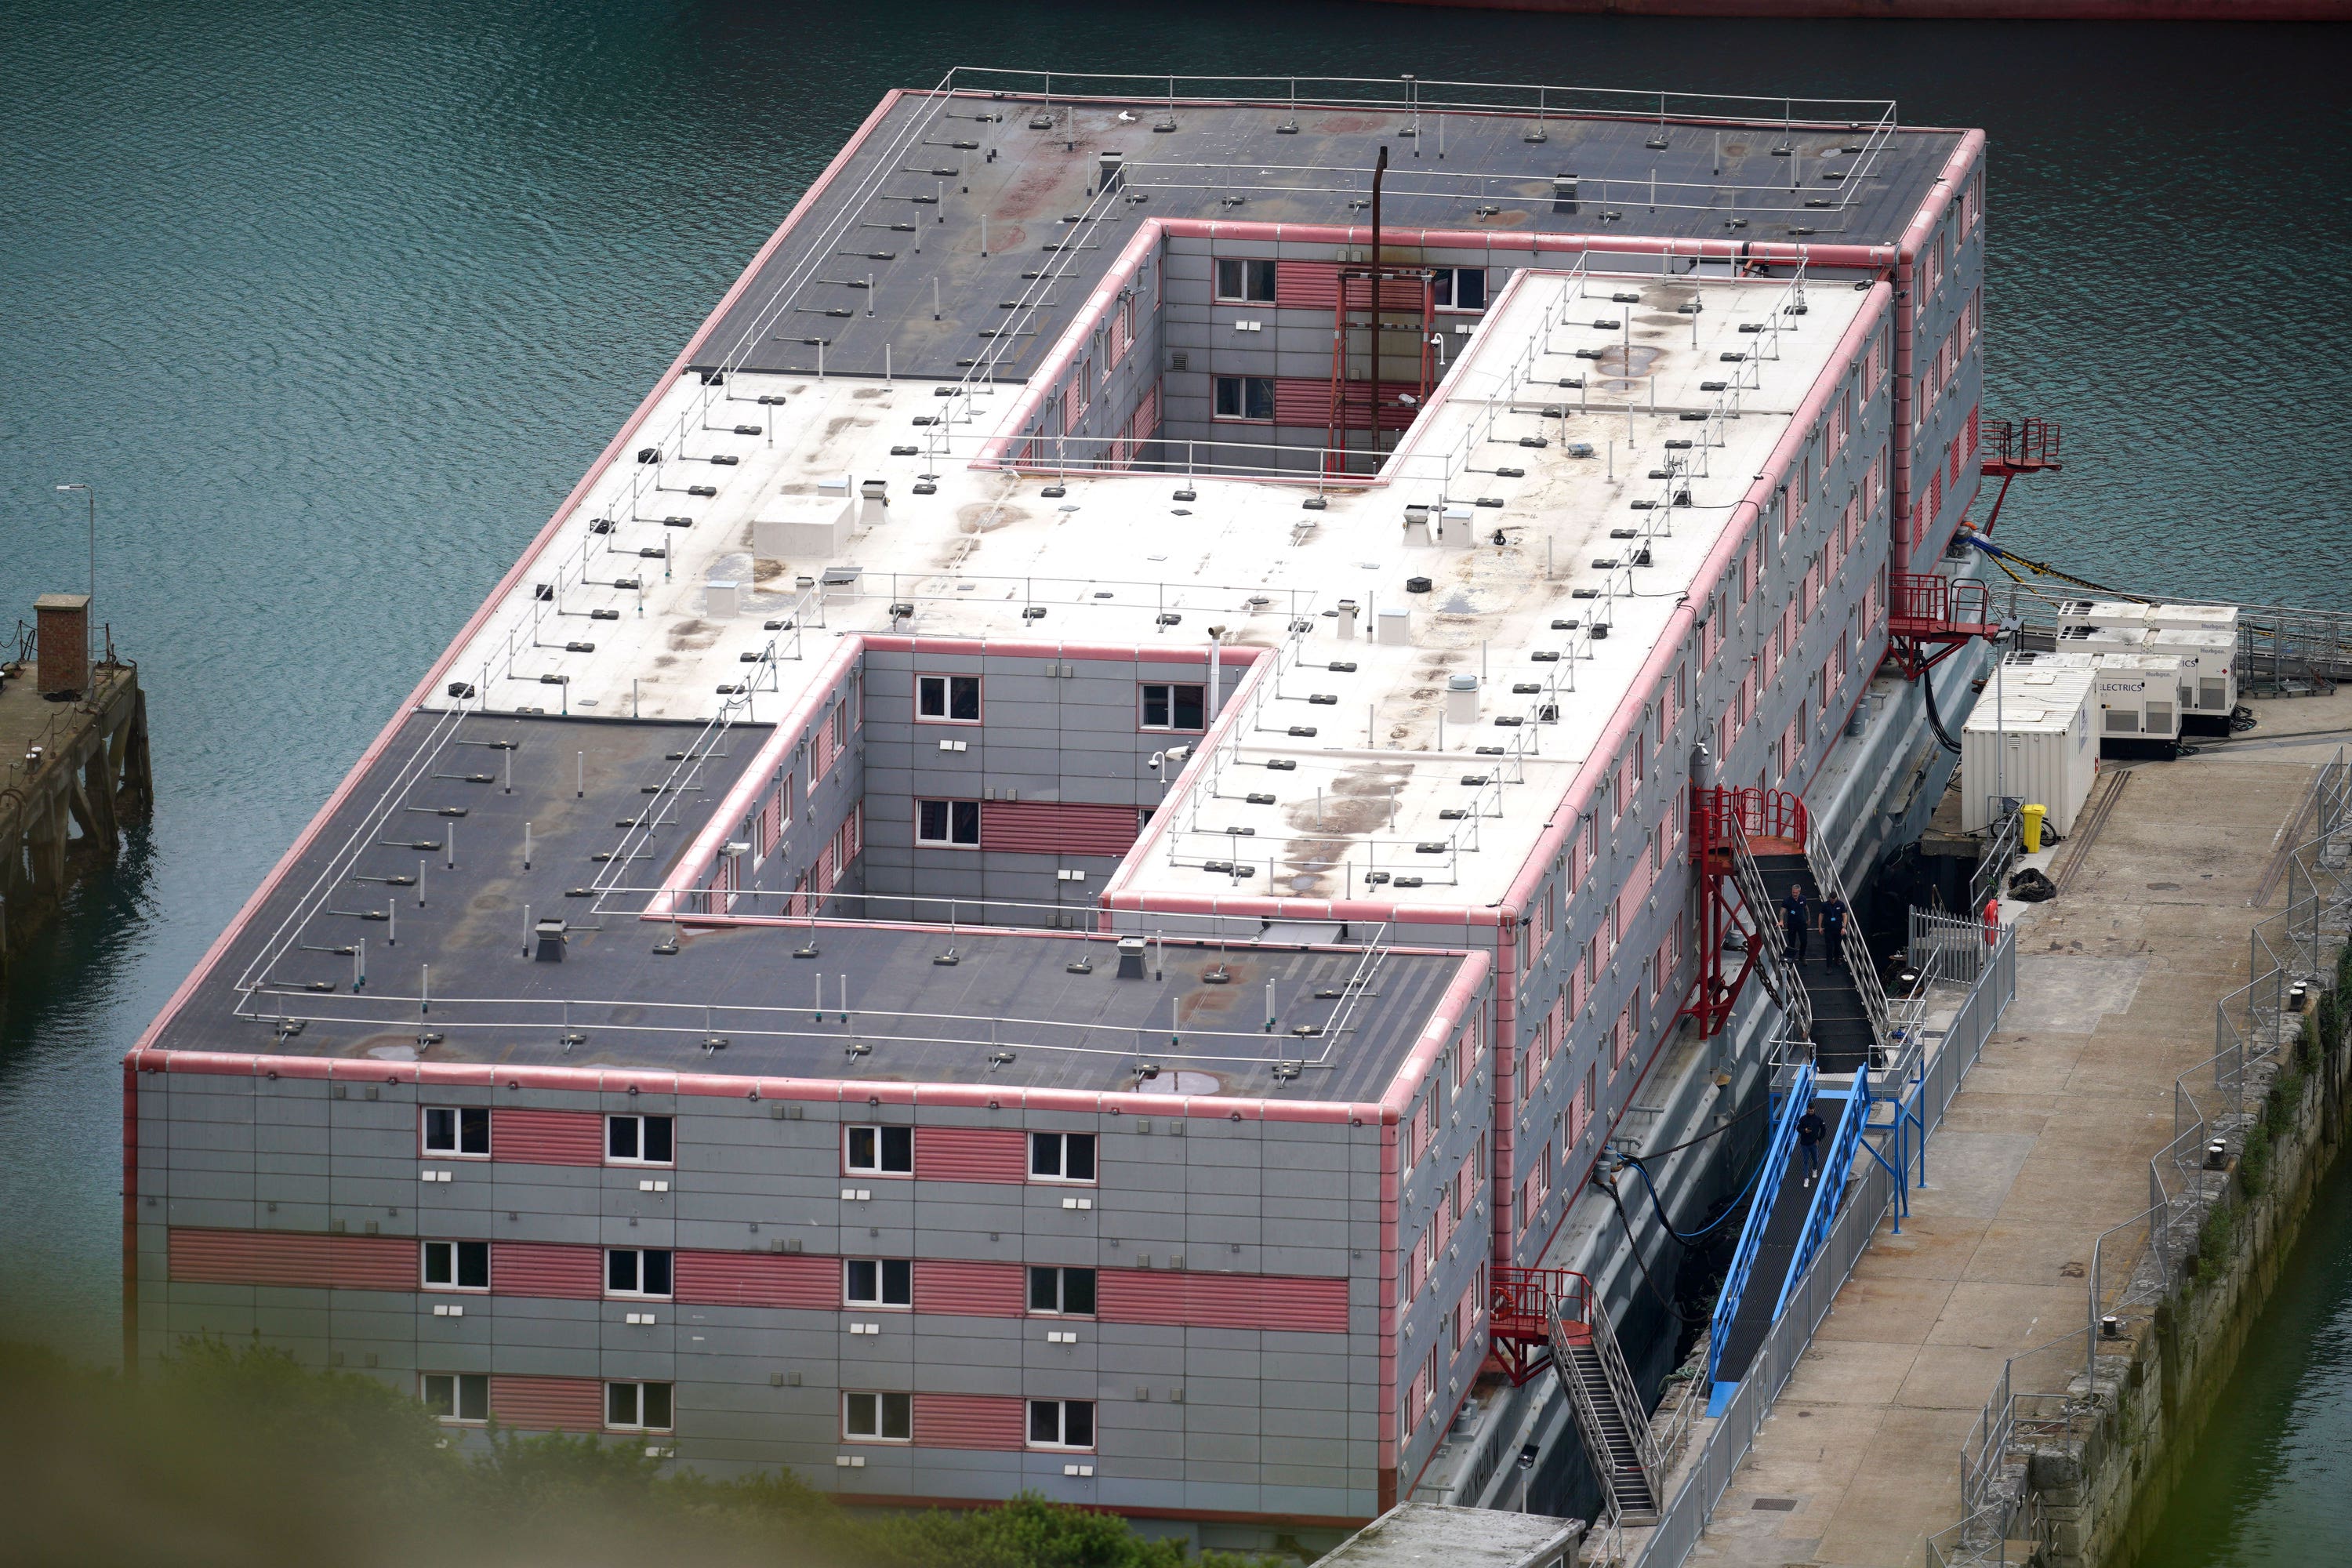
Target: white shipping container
<point>2030,738</point>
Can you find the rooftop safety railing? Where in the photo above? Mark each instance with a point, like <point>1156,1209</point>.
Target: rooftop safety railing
<point>1423,110</point>
<point>1303,1031</point>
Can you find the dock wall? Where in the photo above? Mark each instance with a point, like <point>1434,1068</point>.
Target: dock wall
<point>2100,1491</point>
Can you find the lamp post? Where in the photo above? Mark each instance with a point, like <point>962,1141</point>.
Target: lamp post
<point>89,618</point>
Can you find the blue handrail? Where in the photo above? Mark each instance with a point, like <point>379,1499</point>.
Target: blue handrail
<point>1844,1139</point>
<point>1799,1095</point>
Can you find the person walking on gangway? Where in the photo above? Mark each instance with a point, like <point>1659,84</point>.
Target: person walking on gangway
<point>1834,927</point>
<point>1810,1133</point>
<point>1793,921</point>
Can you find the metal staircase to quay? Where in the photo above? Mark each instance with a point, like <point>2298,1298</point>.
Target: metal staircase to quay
<point>1551,1318</point>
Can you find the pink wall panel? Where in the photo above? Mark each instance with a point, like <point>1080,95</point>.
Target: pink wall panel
<point>976,1290</point>
<point>1056,827</point>
<point>1224,1300</point>
<point>759,1280</point>
<point>543,1268</point>
<point>282,1258</point>
<point>969,1421</point>
<point>1314,286</point>
<point>548,1136</point>
<point>548,1404</point>
<point>971,1154</point>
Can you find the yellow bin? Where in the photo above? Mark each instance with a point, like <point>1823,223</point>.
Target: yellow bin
<point>2033,816</point>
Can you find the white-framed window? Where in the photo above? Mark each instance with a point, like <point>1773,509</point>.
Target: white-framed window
<point>947,698</point>
<point>1065,1292</point>
<point>455,1265</point>
<point>1061,1156</point>
<point>1459,288</point>
<point>640,1406</point>
<point>1245,397</point>
<point>878,1418</point>
<point>457,1131</point>
<point>878,1282</point>
<point>640,1140</point>
<point>1245,281</point>
<point>638,1271</point>
<point>1175,705</point>
<point>878,1150</point>
<point>456,1398</point>
<point>1061,1423</point>
<point>950,822</point>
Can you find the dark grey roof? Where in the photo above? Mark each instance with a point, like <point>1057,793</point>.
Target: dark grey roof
<point>922,1020</point>
<point>1220,151</point>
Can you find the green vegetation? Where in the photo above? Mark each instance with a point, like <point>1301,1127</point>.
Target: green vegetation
<point>2216,1237</point>
<point>243,1458</point>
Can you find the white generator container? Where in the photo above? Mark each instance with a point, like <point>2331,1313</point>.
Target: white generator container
<point>2094,636</point>
<point>2193,618</point>
<point>2031,737</point>
<point>2116,612</point>
<point>2137,696</point>
<point>2208,669</point>
<point>2140,695</point>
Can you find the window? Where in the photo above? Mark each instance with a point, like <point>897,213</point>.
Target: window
<point>638,1406</point>
<point>1061,1423</point>
<point>948,699</point>
<point>878,1282</point>
<point>1245,397</point>
<point>878,1418</point>
<point>1173,707</point>
<point>640,1140</point>
<point>457,1265</point>
<point>1069,1291</point>
<point>637,1272</point>
<point>884,1151</point>
<point>946,822</point>
<point>457,1396</point>
<point>1459,288</point>
<point>461,1131</point>
<point>1062,1156</point>
<point>1251,282</point>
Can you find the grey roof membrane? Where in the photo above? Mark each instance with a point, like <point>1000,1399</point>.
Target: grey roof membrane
<point>909,172</point>
<point>629,1005</point>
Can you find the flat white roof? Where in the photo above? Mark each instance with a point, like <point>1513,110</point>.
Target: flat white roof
<point>2046,699</point>
<point>1112,557</point>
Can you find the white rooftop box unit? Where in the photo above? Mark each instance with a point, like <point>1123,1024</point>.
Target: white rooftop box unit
<point>2030,738</point>
<point>2208,669</point>
<point>804,528</point>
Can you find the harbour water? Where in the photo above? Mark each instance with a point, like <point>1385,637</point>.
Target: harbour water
<point>334,301</point>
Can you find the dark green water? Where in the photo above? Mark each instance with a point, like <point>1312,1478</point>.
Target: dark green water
<point>2271,1481</point>
<point>333,302</point>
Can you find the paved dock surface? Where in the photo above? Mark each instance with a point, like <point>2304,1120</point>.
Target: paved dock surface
<point>2046,1147</point>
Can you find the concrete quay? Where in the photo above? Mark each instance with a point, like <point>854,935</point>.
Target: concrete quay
<point>2045,1146</point>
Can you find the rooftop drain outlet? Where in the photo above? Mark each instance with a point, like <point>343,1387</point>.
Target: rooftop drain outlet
<point>1417,584</point>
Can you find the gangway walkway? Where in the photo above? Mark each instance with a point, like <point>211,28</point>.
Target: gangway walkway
<point>1785,1226</point>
